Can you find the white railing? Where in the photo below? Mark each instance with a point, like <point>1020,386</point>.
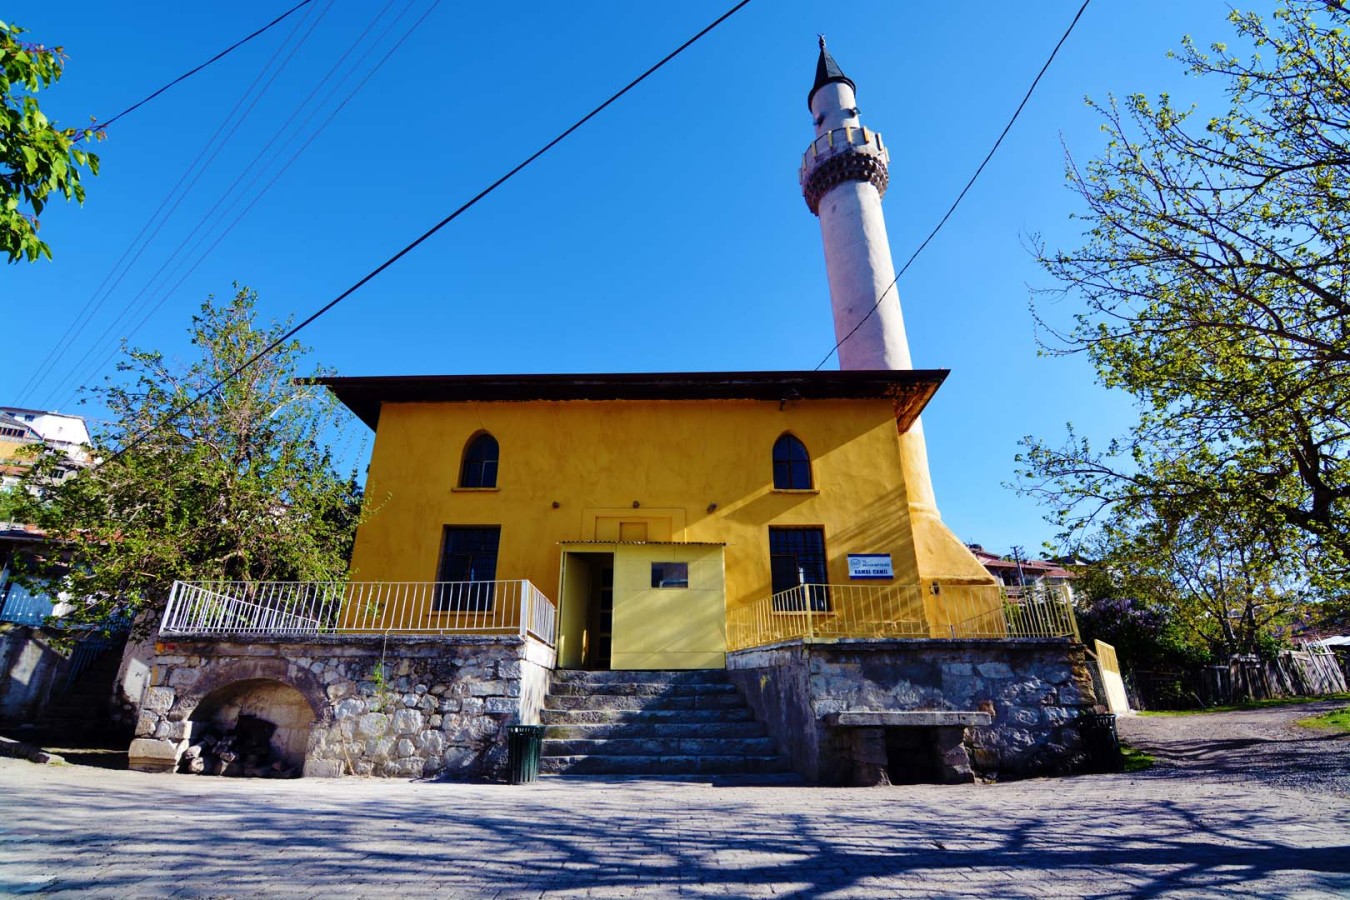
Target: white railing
<point>954,611</point>
<point>352,607</point>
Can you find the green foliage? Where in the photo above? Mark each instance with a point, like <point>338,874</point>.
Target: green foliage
<point>1136,760</point>
<point>1251,704</point>
<point>1336,720</point>
<point>1212,287</point>
<point>10,504</point>
<point>382,698</point>
<point>239,487</point>
<point>36,157</point>
<point>1135,613</point>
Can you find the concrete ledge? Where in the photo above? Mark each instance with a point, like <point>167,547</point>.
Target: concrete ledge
<point>927,718</point>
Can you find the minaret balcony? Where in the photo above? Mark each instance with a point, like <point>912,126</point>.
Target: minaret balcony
<point>842,155</point>
<point>839,141</point>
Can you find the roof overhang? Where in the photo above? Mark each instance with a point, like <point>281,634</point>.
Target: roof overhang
<point>909,390</point>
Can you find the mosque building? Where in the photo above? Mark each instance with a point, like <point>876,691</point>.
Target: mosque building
<point>668,535</point>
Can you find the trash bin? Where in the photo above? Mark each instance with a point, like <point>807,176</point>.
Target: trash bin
<point>523,745</point>
<point>1101,742</point>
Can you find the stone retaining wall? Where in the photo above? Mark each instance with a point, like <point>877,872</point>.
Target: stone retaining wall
<point>407,707</point>
<point>1035,690</point>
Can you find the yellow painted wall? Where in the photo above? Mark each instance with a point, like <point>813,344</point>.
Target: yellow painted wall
<point>703,468</point>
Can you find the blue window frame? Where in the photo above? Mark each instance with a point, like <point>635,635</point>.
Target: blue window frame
<point>791,465</point>
<point>479,469</point>
<point>469,565</point>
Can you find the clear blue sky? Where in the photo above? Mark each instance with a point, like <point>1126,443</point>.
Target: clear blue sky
<point>667,235</point>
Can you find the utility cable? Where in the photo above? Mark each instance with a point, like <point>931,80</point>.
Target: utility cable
<point>277,176</point>
<point>91,306</point>
<point>275,73</point>
<point>190,72</point>
<point>959,197</point>
<point>373,273</point>
<point>230,197</point>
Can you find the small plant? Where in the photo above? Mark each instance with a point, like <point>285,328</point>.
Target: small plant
<point>383,697</point>
<point>1135,760</point>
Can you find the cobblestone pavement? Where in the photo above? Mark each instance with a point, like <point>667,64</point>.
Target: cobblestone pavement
<point>69,829</point>
<point>1248,745</point>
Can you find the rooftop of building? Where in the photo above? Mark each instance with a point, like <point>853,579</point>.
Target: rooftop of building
<point>1037,567</point>
<point>909,389</point>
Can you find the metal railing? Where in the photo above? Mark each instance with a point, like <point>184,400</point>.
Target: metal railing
<point>352,607</point>
<point>23,607</point>
<point>830,611</point>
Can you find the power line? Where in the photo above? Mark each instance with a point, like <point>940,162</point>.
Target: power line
<point>959,197</point>
<point>313,135</point>
<point>373,273</point>
<point>230,197</point>
<point>92,306</point>
<point>190,72</point>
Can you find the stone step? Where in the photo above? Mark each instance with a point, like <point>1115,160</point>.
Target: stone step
<point>645,716</point>
<point>626,746</point>
<point>665,676</point>
<point>622,701</point>
<point>658,729</point>
<point>662,765</point>
<point>640,688</point>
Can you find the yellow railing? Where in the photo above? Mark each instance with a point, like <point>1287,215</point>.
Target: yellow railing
<point>831,611</point>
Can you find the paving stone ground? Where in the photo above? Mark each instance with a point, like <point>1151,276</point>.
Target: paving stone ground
<point>67,830</point>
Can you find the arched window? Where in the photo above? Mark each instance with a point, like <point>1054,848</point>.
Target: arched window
<point>791,465</point>
<point>479,469</point>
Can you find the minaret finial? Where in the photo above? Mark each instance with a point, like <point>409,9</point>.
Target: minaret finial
<point>827,72</point>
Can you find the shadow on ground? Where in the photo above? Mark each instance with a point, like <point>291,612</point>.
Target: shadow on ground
<point>529,841</point>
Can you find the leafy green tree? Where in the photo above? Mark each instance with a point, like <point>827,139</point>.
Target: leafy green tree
<point>1212,282</point>
<point>239,487</point>
<point>36,157</point>
<point>1135,612</point>
<point>1212,587</point>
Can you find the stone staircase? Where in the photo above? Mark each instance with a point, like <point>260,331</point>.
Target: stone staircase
<point>680,723</point>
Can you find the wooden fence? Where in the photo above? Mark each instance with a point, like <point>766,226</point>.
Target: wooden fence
<point>1310,672</point>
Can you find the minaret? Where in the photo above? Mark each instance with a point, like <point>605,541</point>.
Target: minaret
<point>843,176</point>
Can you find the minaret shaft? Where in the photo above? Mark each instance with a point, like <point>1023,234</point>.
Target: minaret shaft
<point>858,263</point>
<point>844,174</point>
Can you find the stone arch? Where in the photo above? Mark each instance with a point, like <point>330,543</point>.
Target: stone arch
<point>265,723</point>
<point>218,675</point>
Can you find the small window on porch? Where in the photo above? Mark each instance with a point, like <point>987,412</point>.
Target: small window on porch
<point>797,568</point>
<point>468,568</point>
<point>670,574</point>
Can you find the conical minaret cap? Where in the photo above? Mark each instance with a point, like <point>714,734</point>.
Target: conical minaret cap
<point>827,72</point>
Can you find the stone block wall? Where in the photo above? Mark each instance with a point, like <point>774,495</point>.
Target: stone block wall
<point>1034,689</point>
<point>408,707</point>
<point>30,666</point>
